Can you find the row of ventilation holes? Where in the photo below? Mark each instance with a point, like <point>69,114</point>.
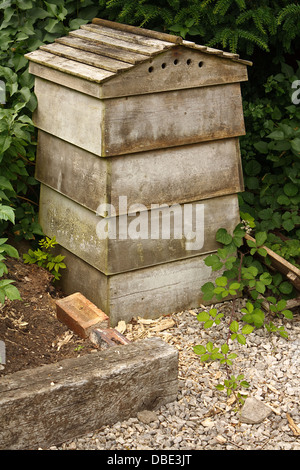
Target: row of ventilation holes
<point>176,62</point>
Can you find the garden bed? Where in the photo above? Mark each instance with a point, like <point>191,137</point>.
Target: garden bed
<point>29,328</point>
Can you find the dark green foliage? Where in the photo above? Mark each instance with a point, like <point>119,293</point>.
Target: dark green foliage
<point>271,162</point>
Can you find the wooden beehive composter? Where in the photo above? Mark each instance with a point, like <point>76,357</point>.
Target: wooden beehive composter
<point>139,162</point>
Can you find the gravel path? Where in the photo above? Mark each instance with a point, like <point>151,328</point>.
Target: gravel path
<point>203,418</point>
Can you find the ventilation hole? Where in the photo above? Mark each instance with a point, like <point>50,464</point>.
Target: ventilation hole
<point>163,66</point>
<point>150,69</point>
<point>176,61</point>
<point>200,63</point>
<point>189,61</point>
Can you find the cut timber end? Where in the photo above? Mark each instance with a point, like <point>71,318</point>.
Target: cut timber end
<point>79,314</point>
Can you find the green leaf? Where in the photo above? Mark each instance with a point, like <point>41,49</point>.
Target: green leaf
<point>12,293</point>
<point>276,135</point>
<point>261,238</point>
<point>241,339</point>
<point>290,189</point>
<point>234,326</point>
<point>286,288</point>
<point>221,281</point>
<point>199,349</point>
<point>288,314</point>
<point>223,237</point>
<point>7,213</point>
<point>295,143</point>
<point>208,324</point>
<point>203,316</point>
<point>225,348</point>
<point>247,329</point>
<point>209,346</point>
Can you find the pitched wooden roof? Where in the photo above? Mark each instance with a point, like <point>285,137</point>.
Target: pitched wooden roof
<point>100,50</point>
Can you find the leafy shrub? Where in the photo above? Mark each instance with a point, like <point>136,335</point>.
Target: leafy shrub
<point>271,163</point>
<point>45,258</point>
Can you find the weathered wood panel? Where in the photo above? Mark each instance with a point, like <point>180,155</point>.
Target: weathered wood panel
<point>179,68</point>
<point>139,123</point>
<point>68,80</point>
<point>148,293</point>
<point>83,44</point>
<point>141,238</point>
<point>173,118</point>
<point>169,176</point>
<point>86,57</point>
<point>68,67</point>
<point>52,404</point>
<point>74,117</point>
<point>192,68</point>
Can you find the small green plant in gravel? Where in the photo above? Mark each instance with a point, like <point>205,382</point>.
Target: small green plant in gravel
<point>241,275</point>
<point>45,258</point>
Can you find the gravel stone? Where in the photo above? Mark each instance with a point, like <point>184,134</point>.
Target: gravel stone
<point>268,362</point>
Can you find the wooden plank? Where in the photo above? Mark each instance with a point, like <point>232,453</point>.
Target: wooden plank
<point>74,82</point>
<point>78,117</point>
<point>141,123</point>
<point>144,177</point>
<point>117,43</point>
<point>85,57</point>
<point>286,268</point>
<point>170,119</point>
<point>125,56</point>
<point>52,404</point>
<point>147,293</point>
<point>137,30</point>
<point>151,237</point>
<point>68,66</point>
<point>130,37</point>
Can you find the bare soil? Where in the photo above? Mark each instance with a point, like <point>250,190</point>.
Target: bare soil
<point>29,328</point>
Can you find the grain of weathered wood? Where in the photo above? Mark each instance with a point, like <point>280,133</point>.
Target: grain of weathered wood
<point>139,123</point>
<point>210,169</point>
<point>176,69</point>
<point>147,293</point>
<point>138,239</point>
<point>67,66</point>
<point>139,39</point>
<point>52,404</point>
<point>172,118</point>
<point>79,123</point>
<point>120,43</point>
<point>68,80</point>
<point>85,57</point>
<point>124,56</point>
<point>135,30</point>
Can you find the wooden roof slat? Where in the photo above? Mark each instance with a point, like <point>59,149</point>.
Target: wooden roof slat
<point>101,49</point>
<point>135,38</point>
<point>85,57</point>
<point>136,30</point>
<point>118,43</point>
<point>72,67</point>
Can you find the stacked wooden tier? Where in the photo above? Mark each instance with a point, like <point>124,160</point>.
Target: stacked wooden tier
<point>133,119</point>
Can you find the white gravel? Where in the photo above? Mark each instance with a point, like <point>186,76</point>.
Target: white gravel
<point>203,418</point>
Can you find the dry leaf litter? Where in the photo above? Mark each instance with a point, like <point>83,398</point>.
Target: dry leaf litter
<point>203,418</point>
